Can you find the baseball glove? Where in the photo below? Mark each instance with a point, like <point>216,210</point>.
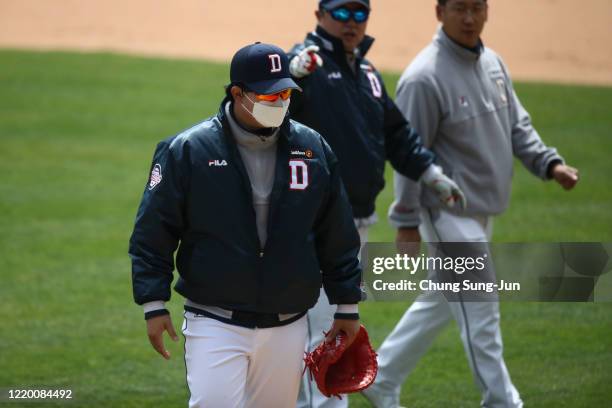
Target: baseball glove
<point>340,370</point>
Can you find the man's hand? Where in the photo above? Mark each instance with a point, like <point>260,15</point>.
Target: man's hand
<point>349,327</point>
<point>447,190</point>
<point>155,329</point>
<point>565,175</point>
<point>408,241</point>
<point>305,62</point>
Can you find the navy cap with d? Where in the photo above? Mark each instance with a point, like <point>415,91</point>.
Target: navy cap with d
<point>262,68</point>
<point>332,4</point>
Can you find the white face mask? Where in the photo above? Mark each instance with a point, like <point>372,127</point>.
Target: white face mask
<point>268,114</point>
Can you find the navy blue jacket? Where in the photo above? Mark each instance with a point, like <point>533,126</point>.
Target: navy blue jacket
<point>358,119</point>
<point>204,201</point>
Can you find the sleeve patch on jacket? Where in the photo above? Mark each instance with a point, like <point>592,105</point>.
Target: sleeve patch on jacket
<point>156,176</point>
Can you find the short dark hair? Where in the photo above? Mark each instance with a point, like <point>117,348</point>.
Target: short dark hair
<point>443,2</point>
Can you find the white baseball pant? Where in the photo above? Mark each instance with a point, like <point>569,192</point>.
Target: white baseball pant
<point>478,324</point>
<point>234,367</point>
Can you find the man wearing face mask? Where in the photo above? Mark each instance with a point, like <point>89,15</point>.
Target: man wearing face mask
<point>345,100</point>
<point>256,203</point>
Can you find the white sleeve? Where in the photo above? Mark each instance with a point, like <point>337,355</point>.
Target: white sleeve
<point>354,308</point>
<point>152,306</point>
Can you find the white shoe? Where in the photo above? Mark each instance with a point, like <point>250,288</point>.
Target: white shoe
<point>378,399</point>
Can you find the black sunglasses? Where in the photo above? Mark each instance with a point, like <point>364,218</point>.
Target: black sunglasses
<point>343,14</point>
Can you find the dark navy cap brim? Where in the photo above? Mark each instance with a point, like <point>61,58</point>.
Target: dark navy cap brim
<point>272,86</point>
<point>336,3</point>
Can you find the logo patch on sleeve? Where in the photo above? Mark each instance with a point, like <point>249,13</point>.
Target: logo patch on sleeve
<point>156,176</point>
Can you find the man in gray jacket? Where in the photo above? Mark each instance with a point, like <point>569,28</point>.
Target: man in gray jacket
<point>459,96</point>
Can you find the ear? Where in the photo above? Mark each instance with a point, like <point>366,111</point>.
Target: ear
<point>439,11</point>
<point>318,14</point>
<point>235,91</point>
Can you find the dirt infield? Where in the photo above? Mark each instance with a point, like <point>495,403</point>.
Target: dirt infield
<point>549,40</point>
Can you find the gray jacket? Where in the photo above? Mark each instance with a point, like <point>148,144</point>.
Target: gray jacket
<point>464,106</point>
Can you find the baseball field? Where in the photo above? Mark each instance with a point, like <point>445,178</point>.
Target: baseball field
<point>77,131</point>
<point>80,115</point>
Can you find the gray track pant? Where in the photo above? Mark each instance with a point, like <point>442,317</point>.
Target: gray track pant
<point>430,313</point>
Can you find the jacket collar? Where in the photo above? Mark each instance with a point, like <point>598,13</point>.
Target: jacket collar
<point>333,45</point>
<point>462,52</point>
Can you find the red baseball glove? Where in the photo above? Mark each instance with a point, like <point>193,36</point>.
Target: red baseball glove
<point>340,370</point>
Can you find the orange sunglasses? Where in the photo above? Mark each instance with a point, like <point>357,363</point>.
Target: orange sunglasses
<point>284,95</point>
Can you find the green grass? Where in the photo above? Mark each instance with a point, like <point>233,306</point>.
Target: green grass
<point>77,132</point>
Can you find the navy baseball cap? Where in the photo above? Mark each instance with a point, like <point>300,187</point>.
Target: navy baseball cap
<point>262,68</point>
<point>332,4</point>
